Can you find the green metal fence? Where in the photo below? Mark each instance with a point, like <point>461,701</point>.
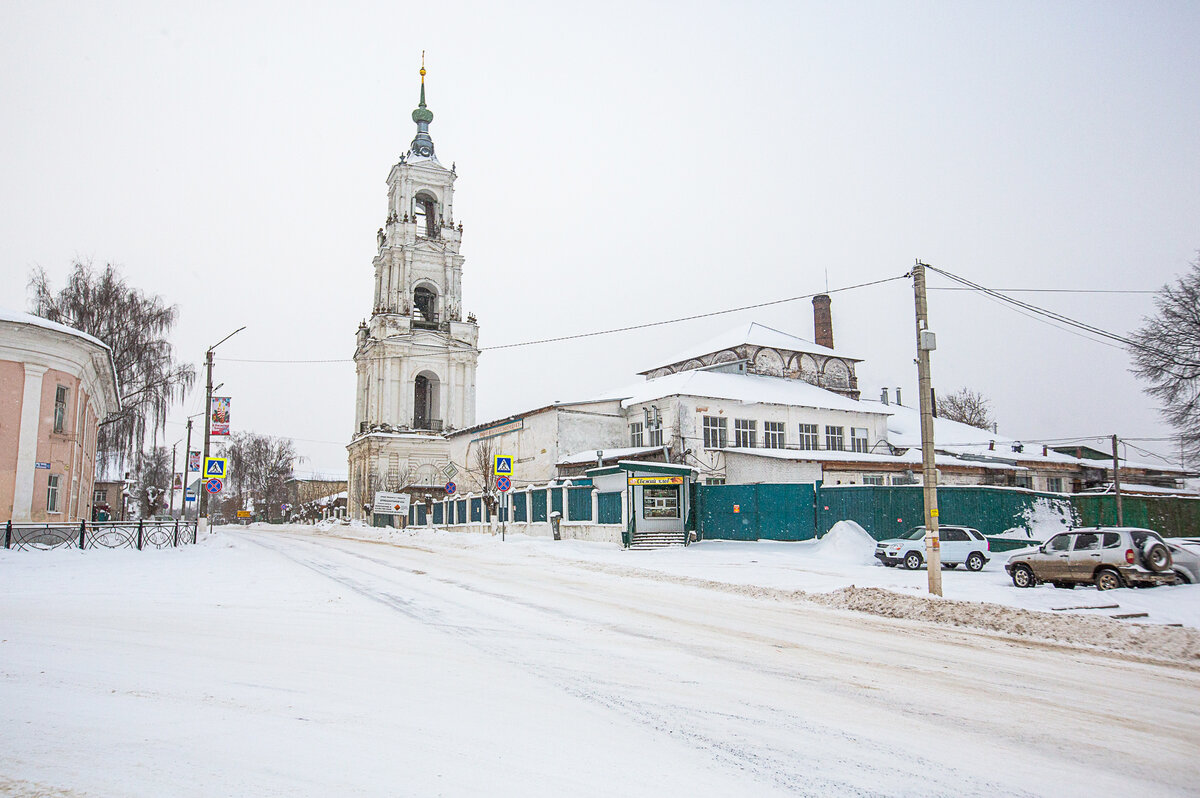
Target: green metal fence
<point>755,512</point>
<point>1173,516</point>
<point>608,507</point>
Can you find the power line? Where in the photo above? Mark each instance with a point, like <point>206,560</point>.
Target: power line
<point>612,330</point>
<point>1051,290</point>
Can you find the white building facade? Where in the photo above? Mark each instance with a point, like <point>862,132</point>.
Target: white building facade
<point>415,358</point>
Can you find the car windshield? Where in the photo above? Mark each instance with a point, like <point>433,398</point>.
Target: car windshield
<point>915,534</point>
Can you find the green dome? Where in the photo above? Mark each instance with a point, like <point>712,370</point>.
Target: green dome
<point>422,114</point>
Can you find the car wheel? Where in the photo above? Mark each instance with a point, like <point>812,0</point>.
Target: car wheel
<point>1064,585</point>
<point>1108,579</point>
<point>1156,555</point>
<point>1181,578</point>
<point>1022,576</point>
<point>975,562</point>
<point>913,560</point>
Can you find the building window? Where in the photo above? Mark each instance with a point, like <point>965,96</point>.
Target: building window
<point>872,479</point>
<point>745,433</point>
<point>1054,484</point>
<point>714,480</point>
<point>774,435</point>
<point>52,494</point>
<point>808,436</point>
<point>60,408</point>
<point>715,433</point>
<point>635,434</point>
<point>661,502</point>
<point>654,426</point>
<point>858,440</point>
<point>1022,481</point>
<point>100,497</point>
<point>835,438</point>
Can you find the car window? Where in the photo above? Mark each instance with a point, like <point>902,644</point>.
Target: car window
<point>1087,541</point>
<point>1112,540</point>
<point>975,534</point>
<point>954,535</point>
<point>915,534</point>
<point>1059,543</point>
<point>1141,535</point>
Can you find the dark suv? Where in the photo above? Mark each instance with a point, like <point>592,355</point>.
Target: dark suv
<point>1107,557</point>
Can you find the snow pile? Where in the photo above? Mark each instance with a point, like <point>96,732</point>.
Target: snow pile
<point>846,542</point>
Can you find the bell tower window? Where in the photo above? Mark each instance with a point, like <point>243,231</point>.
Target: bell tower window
<point>425,214</point>
<point>425,402</point>
<point>425,302</point>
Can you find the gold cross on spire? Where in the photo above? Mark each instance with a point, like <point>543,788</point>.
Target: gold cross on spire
<point>422,66</point>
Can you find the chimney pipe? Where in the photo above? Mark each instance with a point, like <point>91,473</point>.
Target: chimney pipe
<point>898,396</point>
<point>883,397</point>
<point>822,321</point>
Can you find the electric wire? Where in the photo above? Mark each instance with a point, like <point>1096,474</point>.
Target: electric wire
<point>613,330</point>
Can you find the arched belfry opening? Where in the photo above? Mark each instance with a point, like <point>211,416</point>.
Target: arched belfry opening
<point>425,305</point>
<point>425,402</point>
<point>425,213</point>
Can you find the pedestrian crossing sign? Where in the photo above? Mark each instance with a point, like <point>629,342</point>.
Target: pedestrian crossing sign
<point>503,465</point>
<point>216,467</point>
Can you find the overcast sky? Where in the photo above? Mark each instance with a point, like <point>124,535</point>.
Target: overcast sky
<point>618,164</point>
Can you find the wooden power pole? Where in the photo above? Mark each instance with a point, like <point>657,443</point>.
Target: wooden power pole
<point>926,343</point>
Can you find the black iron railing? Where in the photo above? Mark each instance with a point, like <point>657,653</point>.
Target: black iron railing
<point>141,534</point>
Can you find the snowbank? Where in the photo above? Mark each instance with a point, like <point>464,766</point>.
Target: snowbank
<point>846,542</point>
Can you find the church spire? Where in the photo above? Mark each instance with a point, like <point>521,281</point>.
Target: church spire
<point>422,144</point>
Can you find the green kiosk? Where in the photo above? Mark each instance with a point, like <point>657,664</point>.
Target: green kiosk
<point>655,498</point>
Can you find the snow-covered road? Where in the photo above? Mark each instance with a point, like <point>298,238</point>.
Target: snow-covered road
<point>270,662</point>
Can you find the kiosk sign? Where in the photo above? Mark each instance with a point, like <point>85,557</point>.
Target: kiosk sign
<point>391,503</point>
<point>656,480</point>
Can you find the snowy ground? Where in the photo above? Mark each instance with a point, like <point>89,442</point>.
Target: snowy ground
<point>295,661</point>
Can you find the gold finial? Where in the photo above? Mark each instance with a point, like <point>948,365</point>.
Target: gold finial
<point>422,66</point>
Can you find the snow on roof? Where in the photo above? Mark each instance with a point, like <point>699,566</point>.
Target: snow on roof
<point>754,334</point>
<point>910,458</point>
<point>751,389</point>
<point>37,321</point>
<point>620,454</point>
<point>904,431</point>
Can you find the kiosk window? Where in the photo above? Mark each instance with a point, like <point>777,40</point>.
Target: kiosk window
<point>660,502</point>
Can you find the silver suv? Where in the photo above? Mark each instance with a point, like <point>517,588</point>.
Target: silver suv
<point>1107,557</point>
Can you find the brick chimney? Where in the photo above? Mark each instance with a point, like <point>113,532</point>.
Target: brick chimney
<point>822,321</point>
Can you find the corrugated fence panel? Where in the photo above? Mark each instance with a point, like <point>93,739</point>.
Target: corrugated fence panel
<point>1173,516</point>
<point>726,512</point>
<point>609,507</point>
<point>785,512</point>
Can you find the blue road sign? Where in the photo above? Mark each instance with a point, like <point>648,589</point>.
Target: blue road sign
<point>503,484</point>
<point>214,485</point>
<point>451,488</point>
<point>503,465</point>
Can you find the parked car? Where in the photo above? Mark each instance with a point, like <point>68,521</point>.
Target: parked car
<point>1108,557</point>
<point>958,545</point>
<point>1185,561</point>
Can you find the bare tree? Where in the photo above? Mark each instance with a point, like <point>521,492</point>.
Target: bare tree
<point>1166,354</point>
<point>259,468</point>
<point>135,326</point>
<point>152,481</point>
<point>968,407</point>
<point>480,455</point>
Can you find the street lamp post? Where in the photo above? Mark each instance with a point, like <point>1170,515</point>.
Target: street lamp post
<point>208,389</point>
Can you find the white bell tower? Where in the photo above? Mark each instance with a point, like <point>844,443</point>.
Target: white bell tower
<point>415,359</point>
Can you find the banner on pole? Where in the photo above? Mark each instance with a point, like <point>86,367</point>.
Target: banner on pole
<point>178,482</point>
<point>193,461</point>
<point>220,416</point>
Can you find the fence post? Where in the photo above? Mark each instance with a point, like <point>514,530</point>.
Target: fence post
<point>8,534</point>
<point>176,533</point>
<point>82,527</point>
<point>139,541</point>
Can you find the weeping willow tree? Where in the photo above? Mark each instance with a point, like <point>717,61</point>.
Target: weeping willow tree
<point>136,327</point>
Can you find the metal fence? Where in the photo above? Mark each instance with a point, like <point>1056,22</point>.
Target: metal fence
<point>139,535</point>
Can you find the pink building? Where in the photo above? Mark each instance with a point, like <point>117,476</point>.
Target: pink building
<point>56,385</point>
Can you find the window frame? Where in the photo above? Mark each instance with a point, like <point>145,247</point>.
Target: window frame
<point>860,445</point>
<point>745,433</point>
<point>60,408</point>
<point>810,440</point>
<point>636,433</point>
<point>718,428</point>
<point>774,435</point>
<point>835,435</point>
<point>660,501</point>
<point>52,490</point>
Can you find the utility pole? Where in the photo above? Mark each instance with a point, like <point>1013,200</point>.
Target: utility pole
<point>1117,482</point>
<point>186,466</point>
<point>208,389</point>
<point>926,343</point>
<point>203,497</point>
<point>171,501</point>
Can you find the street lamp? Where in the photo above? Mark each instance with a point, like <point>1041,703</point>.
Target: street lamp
<point>208,390</point>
